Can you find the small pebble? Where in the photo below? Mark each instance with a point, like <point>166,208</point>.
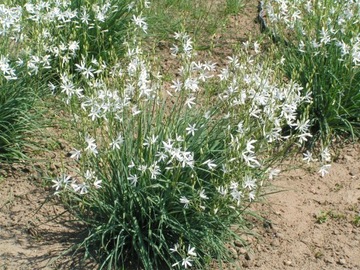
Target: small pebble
<point>275,243</point>
<point>233,252</point>
<point>342,261</point>
<point>239,244</point>
<point>242,250</point>
<point>248,257</point>
<point>288,263</point>
<point>329,260</point>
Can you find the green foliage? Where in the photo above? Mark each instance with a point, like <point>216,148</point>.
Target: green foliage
<point>234,6</point>
<point>102,32</point>
<point>18,117</point>
<point>201,18</point>
<point>334,86</point>
<point>319,42</point>
<point>356,220</point>
<point>142,221</point>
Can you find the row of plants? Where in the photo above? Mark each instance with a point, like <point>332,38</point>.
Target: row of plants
<point>167,162</point>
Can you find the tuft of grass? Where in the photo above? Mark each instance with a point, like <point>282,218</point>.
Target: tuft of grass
<point>19,118</point>
<point>356,220</point>
<point>324,216</point>
<point>234,6</point>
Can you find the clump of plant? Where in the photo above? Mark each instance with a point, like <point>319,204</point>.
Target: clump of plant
<point>19,96</point>
<point>16,116</point>
<point>168,168</point>
<point>50,36</point>
<point>320,43</point>
<point>41,39</point>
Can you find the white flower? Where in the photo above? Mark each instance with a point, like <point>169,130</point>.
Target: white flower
<point>187,46</point>
<point>191,251</point>
<point>250,147</point>
<point>135,110</point>
<point>61,182</point>
<point>91,145</point>
<point>190,102</point>
<point>52,87</point>
<point>75,154</point>
<point>115,144</point>
<point>175,248</point>
<point>185,201</point>
<point>210,164</point>
<point>303,126</point>
<point>147,4</point>
<point>273,173</point>
<point>249,183</point>
<point>150,140</point>
<point>325,37</point>
<point>174,50</point>
<point>252,195</point>
<point>133,179</point>
<point>251,160</point>
<point>80,188</point>
<point>222,190</point>
<point>308,157</point>
<point>203,195</point>
<point>257,47</point>
<point>161,156</point>
<point>324,169</point>
<point>236,195</point>
<point>325,155</point>
<point>191,84</point>
<point>177,85</point>
<point>154,170</point>
<point>97,183</point>
<point>304,137</point>
<point>73,46</point>
<point>191,129</point>
<point>57,184</point>
<point>140,21</point>
<point>89,174</point>
<point>186,262</point>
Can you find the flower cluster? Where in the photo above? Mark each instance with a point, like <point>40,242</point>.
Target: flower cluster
<point>187,257</point>
<point>321,41</point>
<point>336,23</point>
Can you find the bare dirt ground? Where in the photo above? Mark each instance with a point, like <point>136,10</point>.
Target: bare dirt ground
<point>311,222</point>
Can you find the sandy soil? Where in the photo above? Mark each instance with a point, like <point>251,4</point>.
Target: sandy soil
<point>310,221</point>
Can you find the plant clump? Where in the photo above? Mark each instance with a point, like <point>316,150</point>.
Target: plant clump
<point>320,41</point>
